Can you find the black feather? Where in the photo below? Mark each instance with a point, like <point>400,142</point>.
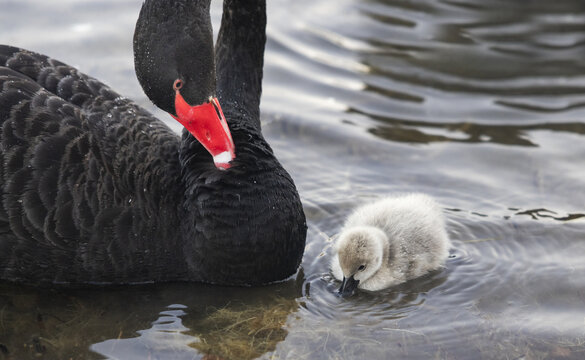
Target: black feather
<point>96,190</point>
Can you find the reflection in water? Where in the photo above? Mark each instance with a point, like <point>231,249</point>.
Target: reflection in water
<point>49,323</point>
<point>504,67</point>
<point>236,332</point>
<point>410,131</point>
<point>127,322</point>
<point>164,340</point>
<point>544,214</point>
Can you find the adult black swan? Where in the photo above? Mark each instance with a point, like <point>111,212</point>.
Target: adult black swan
<point>96,190</point>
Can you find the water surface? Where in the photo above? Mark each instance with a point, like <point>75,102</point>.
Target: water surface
<point>480,103</point>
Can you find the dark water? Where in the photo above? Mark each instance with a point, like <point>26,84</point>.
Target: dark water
<point>480,103</point>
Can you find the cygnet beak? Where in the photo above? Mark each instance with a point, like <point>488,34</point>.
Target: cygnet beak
<point>348,286</point>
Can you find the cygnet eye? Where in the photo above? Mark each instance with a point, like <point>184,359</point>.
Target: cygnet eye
<point>362,268</point>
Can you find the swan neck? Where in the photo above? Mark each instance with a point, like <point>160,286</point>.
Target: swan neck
<point>240,56</point>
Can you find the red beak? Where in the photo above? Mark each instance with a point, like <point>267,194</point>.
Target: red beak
<point>208,125</point>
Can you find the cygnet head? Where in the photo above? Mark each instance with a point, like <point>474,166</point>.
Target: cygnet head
<point>360,251</point>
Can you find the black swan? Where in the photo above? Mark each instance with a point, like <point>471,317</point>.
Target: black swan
<point>96,190</point>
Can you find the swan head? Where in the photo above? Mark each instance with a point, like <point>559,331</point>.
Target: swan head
<point>174,60</point>
<point>360,251</point>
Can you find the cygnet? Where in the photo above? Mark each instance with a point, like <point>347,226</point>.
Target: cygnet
<point>390,241</point>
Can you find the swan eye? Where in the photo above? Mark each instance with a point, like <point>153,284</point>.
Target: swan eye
<point>362,268</point>
<point>178,84</point>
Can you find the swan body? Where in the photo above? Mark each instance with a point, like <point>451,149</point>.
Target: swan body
<point>390,241</point>
<point>95,189</point>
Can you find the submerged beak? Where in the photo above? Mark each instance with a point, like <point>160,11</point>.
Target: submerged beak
<point>348,286</point>
<point>208,125</point>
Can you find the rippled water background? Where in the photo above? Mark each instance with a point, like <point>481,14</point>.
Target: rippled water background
<point>480,103</point>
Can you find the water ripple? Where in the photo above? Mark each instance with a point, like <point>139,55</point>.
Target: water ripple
<point>479,103</point>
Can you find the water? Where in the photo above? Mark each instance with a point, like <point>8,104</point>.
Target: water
<point>479,103</point>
